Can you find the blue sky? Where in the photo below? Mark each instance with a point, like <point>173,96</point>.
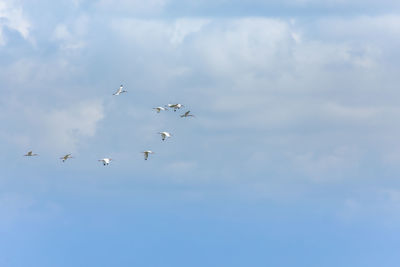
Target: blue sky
<point>292,159</point>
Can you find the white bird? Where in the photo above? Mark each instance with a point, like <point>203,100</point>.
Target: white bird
<point>30,154</point>
<point>187,114</point>
<point>68,156</point>
<point>165,135</point>
<point>158,109</point>
<point>146,154</point>
<point>105,161</point>
<point>120,91</point>
<point>175,106</point>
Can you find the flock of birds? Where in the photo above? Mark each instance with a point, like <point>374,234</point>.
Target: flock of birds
<point>164,135</point>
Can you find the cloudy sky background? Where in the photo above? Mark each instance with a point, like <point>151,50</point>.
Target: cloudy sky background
<point>292,160</point>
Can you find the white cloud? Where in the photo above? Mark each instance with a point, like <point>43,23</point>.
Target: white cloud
<point>258,61</point>
<point>269,80</point>
<point>12,17</point>
<point>184,27</point>
<point>53,129</point>
<point>133,6</point>
<point>334,165</point>
<point>239,46</point>
<point>146,31</point>
<point>64,128</point>
<point>72,35</point>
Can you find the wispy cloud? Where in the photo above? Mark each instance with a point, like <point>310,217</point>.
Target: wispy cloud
<point>54,129</point>
<point>63,129</point>
<point>72,35</point>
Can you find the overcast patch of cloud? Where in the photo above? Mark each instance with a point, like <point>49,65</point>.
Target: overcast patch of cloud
<point>311,101</point>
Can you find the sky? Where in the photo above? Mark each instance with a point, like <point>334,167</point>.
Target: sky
<point>292,158</point>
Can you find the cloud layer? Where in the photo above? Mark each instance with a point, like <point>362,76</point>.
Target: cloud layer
<point>287,98</point>
<point>278,81</point>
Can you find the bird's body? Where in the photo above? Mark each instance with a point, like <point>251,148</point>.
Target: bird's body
<point>146,154</point>
<point>105,161</point>
<point>187,114</point>
<point>175,106</point>
<point>64,158</point>
<point>30,154</point>
<point>158,109</point>
<point>165,135</point>
<point>120,91</point>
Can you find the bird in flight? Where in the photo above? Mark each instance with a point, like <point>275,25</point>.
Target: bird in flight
<point>187,114</point>
<point>175,106</point>
<point>146,154</point>
<point>120,91</point>
<point>158,109</point>
<point>68,156</point>
<point>164,135</point>
<point>30,154</point>
<point>105,161</point>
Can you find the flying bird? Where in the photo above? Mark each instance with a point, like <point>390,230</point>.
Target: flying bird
<point>68,156</point>
<point>164,135</point>
<point>30,154</point>
<point>146,154</point>
<point>105,161</point>
<point>158,109</point>
<point>175,106</point>
<point>187,114</point>
<point>120,91</point>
